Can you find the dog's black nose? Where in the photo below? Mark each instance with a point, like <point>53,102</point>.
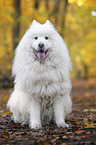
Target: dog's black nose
<point>41,45</point>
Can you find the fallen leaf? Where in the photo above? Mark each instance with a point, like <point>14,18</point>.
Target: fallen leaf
<point>3,113</point>
<point>64,137</point>
<point>89,110</point>
<point>5,134</point>
<point>93,110</point>
<point>88,132</point>
<point>77,138</point>
<point>86,87</point>
<point>63,143</point>
<point>87,94</point>
<point>86,110</point>
<point>79,131</point>
<point>89,125</point>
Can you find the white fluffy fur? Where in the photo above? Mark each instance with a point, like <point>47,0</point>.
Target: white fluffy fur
<point>38,82</point>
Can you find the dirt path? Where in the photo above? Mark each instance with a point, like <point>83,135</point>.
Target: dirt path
<point>82,121</point>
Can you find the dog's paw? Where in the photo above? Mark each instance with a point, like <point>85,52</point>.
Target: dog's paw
<point>62,124</point>
<point>35,125</point>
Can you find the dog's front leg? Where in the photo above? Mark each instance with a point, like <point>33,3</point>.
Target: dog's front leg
<point>59,112</point>
<point>35,121</point>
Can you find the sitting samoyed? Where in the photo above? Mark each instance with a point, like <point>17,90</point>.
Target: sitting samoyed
<point>41,69</point>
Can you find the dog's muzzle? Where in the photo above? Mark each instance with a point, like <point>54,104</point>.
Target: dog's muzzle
<point>41,51</point>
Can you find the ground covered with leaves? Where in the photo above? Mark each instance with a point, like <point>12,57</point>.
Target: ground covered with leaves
<point>82,121</point>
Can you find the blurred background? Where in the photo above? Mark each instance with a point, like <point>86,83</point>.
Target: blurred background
<point>75,20</point>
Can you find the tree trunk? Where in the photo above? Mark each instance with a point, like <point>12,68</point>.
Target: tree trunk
<point>55,10</point>
<point>86,71</point>
<point>63,17</point>
<point>47,5</point>
<point>36,4</point>
<point>16,27</point>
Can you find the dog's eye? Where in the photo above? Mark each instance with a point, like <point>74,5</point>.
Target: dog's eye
<point>46,37</point>
<point>35,37</point>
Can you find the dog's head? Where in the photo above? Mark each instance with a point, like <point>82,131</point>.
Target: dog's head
<point>42,38</point>
<point>42,43</point>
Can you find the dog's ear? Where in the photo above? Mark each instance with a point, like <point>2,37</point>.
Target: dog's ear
<point>48,22</point>
<point>34,22</point>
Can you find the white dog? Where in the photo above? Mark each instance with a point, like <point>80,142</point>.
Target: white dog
<point>41,68</point>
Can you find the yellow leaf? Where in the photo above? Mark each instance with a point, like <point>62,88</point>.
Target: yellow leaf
<point>89,125</point>
<point>85,110</point>
<point>93,110</point>
<point>79,131</point>
<point>89,110</point>
<point>7,112</point>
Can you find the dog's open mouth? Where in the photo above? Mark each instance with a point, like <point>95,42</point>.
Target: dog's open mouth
<point>42,54</point>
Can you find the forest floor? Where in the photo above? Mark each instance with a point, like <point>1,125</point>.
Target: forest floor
<point>82,121</point>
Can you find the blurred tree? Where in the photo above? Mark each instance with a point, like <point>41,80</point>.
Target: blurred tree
<point>6,47</point>
<point>80,35</point>
<point>63,16</point>
<point>56,9</point>
<point>16,26</point>
<point>36,4</point>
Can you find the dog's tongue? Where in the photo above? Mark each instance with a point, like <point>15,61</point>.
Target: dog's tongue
<point>41,55</point>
